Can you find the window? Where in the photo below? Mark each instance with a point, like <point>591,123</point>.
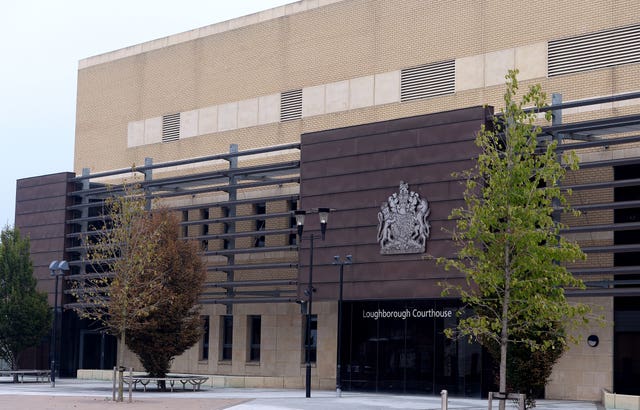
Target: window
<point>226,228</point>
<point>254,324</point>
<point>185,227</point>
<point>226,341</point>
<point>293,237</point>
<point>204,216</point>
<point>204,341</point>
<point>261,224</point>
<point>312,342</point>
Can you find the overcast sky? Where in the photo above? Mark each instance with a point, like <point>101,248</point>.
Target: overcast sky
<point>41,42</point>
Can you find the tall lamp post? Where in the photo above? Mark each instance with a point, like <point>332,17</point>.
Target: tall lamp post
<point>337,261</point>
<point>57,269</point>
<point>323,213</point>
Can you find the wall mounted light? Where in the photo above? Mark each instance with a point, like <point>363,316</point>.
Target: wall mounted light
<point>593,340</point>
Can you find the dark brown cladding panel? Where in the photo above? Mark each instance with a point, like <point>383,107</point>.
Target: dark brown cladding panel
<point>41,215</point>
<point>355,170</point>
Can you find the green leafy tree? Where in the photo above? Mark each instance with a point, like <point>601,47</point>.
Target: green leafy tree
<point>510,248</point>
<point>25,317</point>
<point>130,290</point>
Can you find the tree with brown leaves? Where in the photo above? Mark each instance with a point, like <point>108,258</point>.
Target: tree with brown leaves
<point>144,279</point>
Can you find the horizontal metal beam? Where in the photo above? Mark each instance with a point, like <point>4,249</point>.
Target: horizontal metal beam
<point>598,143</point>
<point>251,250</point>
<point>241,234</point>
<point>612,248</point>
<point>230,268</point>
<point>603,292</point>
<point>231,301</point>
<point>601,185</point>
<point>236,218</point>
<point>607,205</point>
<point>211,204</point>
<point>615,270</point>
<point>628,226</point>
<point>246,283</point>
<point>225,156</point>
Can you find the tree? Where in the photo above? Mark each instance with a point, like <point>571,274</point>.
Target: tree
<point>510,248</point>
<point>174,325</point>
<point>25,317</point>
<point>134,259</point>
<point>528,371</point>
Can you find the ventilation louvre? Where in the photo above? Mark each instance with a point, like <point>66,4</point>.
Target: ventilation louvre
<point>291,105</point>
<point>428,80</point>
<point>171,127</point>
<point>596,50</point>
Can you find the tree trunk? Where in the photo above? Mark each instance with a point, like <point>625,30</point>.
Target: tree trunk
<point>121,344</point>
<point>504,331</point>
<point>13,362</point>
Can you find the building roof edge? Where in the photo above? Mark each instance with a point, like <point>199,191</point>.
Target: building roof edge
<point>223,26</point>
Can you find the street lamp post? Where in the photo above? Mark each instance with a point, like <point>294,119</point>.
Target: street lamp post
<point>337,261</point>
<point>323,213</point>
<point>57,269</point>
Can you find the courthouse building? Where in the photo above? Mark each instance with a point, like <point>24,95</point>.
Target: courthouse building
<point>365,107</point>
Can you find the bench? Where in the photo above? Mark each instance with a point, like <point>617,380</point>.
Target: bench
<point>39,375</point>
<point>194,381</point>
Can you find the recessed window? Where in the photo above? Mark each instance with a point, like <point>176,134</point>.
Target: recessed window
<point>310,340</point>
<point>204,216</point>
<point>261,225</point>
<point>204,340</point>
<point>254,326</point>
<point>226,341</point>
<point>185,227</point>
<point>293,237</point>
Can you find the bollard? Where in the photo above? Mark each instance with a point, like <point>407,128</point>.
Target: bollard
<point>445,399</point>
<point>521,401</point>
<point>130,382</point>
<point>113,391</point>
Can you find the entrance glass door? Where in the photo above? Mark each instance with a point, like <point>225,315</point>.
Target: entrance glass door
<point>400,346</point>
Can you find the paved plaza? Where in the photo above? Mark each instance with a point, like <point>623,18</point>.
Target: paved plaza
<point>94,395</point>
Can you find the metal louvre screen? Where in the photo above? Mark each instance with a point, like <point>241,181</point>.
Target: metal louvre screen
<point>170,127</point>
<point>291,105</point>
<point>428,80</point>
<point>597,50</point>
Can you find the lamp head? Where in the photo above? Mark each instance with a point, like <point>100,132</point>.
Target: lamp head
<point>299,214</point>
<point>323,213</point>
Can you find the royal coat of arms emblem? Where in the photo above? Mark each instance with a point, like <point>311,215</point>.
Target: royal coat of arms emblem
<point>402,223</point>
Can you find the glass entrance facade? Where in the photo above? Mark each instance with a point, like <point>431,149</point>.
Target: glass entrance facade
<point>400,346</point>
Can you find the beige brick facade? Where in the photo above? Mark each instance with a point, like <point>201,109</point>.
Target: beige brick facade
<point>346,57</point>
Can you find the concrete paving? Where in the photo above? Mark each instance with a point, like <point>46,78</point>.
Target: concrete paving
<point>272,399</point>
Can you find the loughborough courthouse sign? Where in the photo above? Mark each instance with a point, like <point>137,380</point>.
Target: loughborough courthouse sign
<point>405,314</point>
<point>402,223</point>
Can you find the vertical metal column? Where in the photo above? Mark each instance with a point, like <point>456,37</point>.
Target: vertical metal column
<point>148,177</point>
<point>556,119</point>
<point>309,313</point>
<point>84,214</point>
<point>233,196</point>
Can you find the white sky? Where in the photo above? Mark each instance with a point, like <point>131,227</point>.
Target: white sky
<point>41,42</point>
